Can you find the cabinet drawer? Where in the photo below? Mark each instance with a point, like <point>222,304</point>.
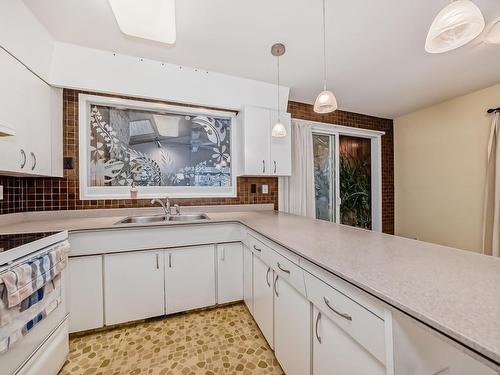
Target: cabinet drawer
<point>259,249</point>
<point>362,325</point>
<point>288,270</point>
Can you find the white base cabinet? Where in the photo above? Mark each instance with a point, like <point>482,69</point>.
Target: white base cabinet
<point>292,329</point>
<point>417,351</point>
<point>248,278</point>
<point>85,293</point>
<point>133,286</point>
<point>189,278</point>
<point>263,299</point>
<point>335,351</point>
<point>229,272</point>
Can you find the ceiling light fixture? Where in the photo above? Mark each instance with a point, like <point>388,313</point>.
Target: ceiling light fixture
<point>326,101</point>
<point>494,34</point>
<point>146,19</point>
<point>457,24</point>
<point>279,130</point>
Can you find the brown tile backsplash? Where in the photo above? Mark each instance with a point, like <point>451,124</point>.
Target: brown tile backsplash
<point>45,194</point>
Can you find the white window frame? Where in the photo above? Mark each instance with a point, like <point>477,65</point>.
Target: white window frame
<point>145,192</point>
<point>376,164</point>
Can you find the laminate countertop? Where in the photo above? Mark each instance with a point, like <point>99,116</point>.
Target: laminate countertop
<point>454,291</point>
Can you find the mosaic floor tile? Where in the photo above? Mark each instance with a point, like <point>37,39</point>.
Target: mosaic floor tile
<point>223,340</point>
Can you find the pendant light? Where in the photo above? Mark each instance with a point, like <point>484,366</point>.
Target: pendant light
<point>279,130</point>
<point>326,101</point>
<point>494,34</point>
<point>457,24</point>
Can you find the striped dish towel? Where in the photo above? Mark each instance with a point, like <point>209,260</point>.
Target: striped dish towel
<point>25,279</point>
<point>19,320</point>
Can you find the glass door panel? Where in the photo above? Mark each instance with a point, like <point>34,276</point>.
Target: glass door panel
<point>323,148</point>
<point>355,181</point>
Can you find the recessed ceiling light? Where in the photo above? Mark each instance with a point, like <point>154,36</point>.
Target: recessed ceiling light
<point>494,34</point>
<point>456,25</point>
<point>147,19</point>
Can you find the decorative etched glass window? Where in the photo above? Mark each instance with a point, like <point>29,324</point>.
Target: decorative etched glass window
<point>162,150</point>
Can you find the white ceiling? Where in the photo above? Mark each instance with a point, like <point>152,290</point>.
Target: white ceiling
<point>377,63</point>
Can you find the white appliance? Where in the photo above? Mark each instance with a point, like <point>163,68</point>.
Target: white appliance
<point>43,350</point>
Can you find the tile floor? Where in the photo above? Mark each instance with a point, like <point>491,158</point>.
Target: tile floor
<point>223,340</point>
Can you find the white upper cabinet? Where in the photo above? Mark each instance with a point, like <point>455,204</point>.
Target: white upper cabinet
<point>261,154</point>
<point>280,158</point>
<point>230,272</point>
<point>32,109</point>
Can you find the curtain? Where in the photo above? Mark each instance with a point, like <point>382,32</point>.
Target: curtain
<point>296,193</point>
<point>491,209</point>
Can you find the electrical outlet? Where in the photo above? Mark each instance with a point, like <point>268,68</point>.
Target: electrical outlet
<point>1,192</point>
<point>265,189</point>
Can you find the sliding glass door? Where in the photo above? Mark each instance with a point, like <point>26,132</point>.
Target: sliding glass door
<point>324,180</point>
<point>343,179</point>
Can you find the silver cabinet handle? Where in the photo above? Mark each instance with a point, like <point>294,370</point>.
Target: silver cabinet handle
<point>256,248</point>
<point>223,253</point>
<point>318,318</point>
<point>276,286</point>
<point>23,158</point>
<point>169,260</point>
<point>267,277</point>
<point>275,165</point>
<point>157,261</point>
<point>283,269</point>
<point>33,157</point>
<point>342,315</point>
<point>263,166</point>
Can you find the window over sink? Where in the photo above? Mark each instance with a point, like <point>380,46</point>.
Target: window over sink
<point>162,150</point>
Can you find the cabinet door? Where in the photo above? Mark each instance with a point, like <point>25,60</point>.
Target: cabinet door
<point>334,351</point>
<point>257,136</point>
<point>281,147</point>
<point>190,278</point>
<point>133,286</point>
<point>292,329</point>
<point>418,351</point>
<point>248,278</point>
<point>85,293</point>
<point>263,299</point>
<point>229,272</point>
<point>25,107</point>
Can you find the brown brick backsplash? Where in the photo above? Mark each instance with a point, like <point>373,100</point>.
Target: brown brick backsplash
<point>23,194</point>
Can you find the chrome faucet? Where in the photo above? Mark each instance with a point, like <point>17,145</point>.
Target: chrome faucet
<point>165,206</point>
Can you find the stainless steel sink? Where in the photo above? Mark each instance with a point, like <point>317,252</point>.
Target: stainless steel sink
<point>188,217</point>
<point>162,218</point>
<point>143,219</point>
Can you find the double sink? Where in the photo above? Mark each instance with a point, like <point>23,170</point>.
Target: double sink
<point>162,218</point>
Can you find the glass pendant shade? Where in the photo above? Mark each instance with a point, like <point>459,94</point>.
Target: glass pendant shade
<point>494,34</point>
<point>279,130</point>
<point>456,25</point>
<point>325,102</point>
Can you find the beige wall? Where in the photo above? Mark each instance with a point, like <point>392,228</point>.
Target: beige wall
<point>440,166</point>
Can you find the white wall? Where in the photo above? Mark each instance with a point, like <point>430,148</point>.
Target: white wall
<point>96,70</point>
<point>23,35</point>
<point>440,168</point>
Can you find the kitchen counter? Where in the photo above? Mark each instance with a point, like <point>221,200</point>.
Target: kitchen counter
<point>453,291</point>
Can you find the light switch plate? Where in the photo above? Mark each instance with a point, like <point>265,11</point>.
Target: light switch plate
<point>1,192</point>
<point>265,189</point>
